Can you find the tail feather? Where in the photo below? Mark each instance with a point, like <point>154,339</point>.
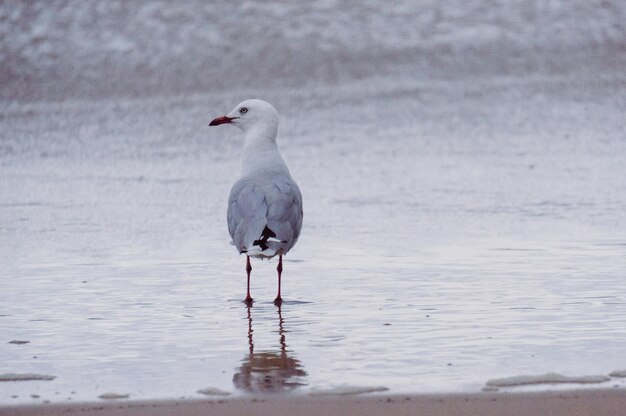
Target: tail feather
<point>257,251</point>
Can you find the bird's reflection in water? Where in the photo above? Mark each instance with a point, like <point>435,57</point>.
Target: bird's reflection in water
<point>269,371</point>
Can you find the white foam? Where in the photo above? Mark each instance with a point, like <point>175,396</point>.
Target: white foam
<point>25,377</point>
<point>549,378</point>
<point>113,396</point>
<point>41,45</point>
<point>618,373</point>
<point>213,391</point>
<point>348,390</point>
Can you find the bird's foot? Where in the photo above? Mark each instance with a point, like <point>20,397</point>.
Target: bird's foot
<point>248,301</point>
<point>278,301</point>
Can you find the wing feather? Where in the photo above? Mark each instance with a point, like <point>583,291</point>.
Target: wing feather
<point>272,201</point>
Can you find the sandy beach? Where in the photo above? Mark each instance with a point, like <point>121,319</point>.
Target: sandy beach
<point>572,403</point>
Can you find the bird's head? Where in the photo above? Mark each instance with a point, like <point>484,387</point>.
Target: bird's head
<point>250,114</point>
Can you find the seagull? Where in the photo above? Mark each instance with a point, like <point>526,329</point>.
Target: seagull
<point>265,204</point>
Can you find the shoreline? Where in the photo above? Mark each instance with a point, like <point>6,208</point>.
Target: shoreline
<point>573,402</point>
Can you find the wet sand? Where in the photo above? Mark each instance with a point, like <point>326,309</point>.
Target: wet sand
<point>571,403</point>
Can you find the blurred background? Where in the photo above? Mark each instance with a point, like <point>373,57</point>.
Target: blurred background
<point>77,48</point>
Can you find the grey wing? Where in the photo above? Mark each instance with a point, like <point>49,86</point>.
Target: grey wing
<point>254,204</point>
<point>285,214</point>
<point>247,208</point>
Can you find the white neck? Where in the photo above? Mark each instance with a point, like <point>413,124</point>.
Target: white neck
<point>260,152</point>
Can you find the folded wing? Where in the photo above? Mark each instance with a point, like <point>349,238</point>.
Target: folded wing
<point>261,206</point>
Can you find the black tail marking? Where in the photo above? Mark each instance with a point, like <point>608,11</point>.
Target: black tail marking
<point>265,235</point>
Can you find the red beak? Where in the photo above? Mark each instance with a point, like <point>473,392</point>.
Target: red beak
<point>222,120</point>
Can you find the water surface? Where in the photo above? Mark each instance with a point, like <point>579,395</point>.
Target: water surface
<point>454,233</point>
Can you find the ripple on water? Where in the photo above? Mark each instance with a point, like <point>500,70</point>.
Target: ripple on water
<point>19,342</point>
<point>345,390</point>
<point>113,396</point>
<point>25,377</point>
<point>548,378</point>
<point>213,391</point>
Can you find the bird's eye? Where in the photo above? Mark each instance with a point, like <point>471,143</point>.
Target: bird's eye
<point>243,110</point>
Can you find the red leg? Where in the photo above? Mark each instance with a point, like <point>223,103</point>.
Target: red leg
<point>278,301</point>
<point>248,270</point>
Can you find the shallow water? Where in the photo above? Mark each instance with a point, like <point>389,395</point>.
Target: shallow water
<point>454,233</point>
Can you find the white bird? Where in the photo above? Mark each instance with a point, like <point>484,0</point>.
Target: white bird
<point>265,204</point>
